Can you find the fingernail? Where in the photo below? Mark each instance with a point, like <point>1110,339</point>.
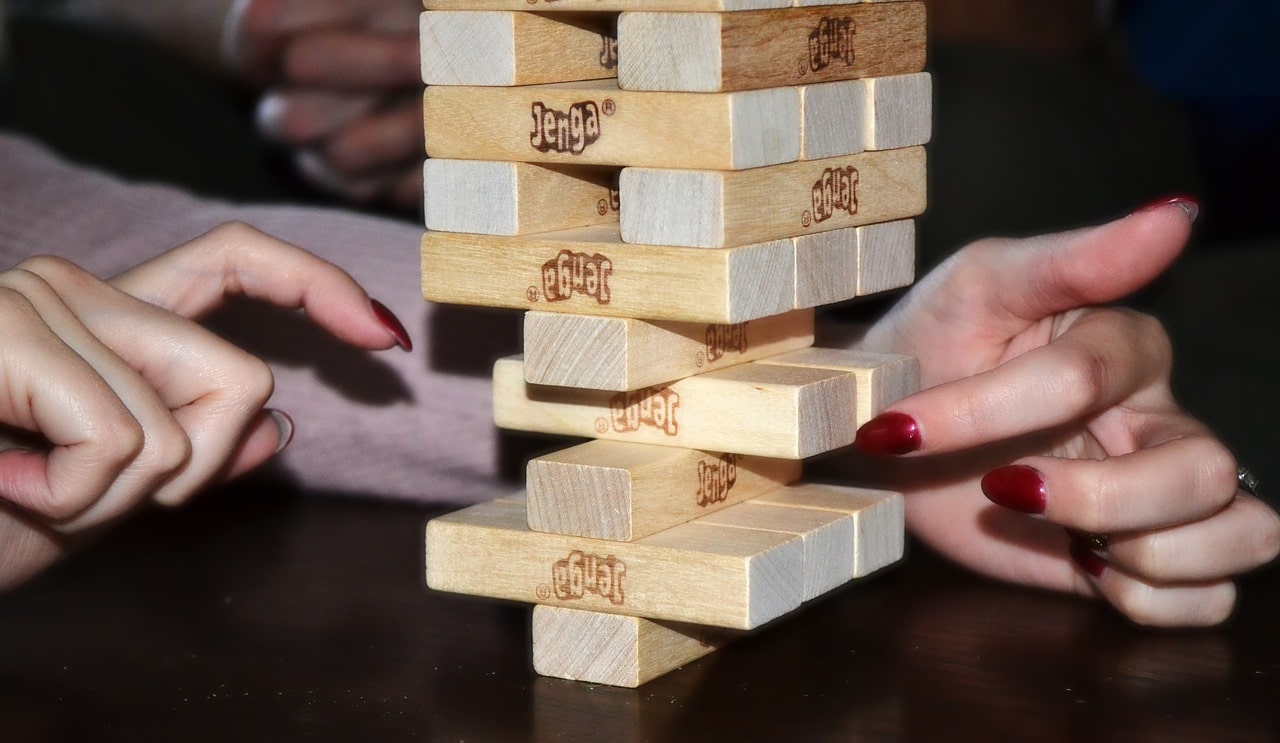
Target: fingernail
<point>1016,487</point>
<point>889,434</point>
<point>1086,558</point>
<point>1188,205</point>
<point>284,424</point>
<point>392,324</point>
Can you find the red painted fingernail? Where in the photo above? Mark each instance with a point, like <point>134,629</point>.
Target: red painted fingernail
<point>1186,203</point>
<point>1086,558</point>
<point>889,434</point>
<point>1017,487</point>
<point>392,324</point>
<point>284,424</point>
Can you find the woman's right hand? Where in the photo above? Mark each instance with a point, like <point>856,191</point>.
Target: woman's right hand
<point>111,395</point>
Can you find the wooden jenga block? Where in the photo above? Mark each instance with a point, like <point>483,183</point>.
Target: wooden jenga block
<point>879,515</point>
<point>854,262</point>
<point>503,198</point>
<point>619,354</point>
<point>515,48</point>
<point>616,650</point>
<point>767,410</point>
<point>590,272</point>
<point>690,573</point>
<point>548,6</point>
<point>622,491</point>
<point>832,119</point>
<point>711,209</point>
<point>883,378</point>
<point>899,111</point>
<point>596,123</point>
<point>710,52</point>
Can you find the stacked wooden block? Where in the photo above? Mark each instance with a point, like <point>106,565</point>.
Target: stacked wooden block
<point>669,187</point>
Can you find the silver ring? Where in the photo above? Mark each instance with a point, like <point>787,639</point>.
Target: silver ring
<point>1248,482</point>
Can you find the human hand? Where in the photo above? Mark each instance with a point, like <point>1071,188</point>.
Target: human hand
<point>119,398</point>
<point>343,84</point>
<point>1060,411</point>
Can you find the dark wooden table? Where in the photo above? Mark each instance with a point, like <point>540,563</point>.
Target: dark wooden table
<point>256,615</point>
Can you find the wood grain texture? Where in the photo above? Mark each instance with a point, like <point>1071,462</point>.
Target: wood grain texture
<point>616,650</point>
<point>832,119</point>
<point>550,6</point>
<point>623,491</point>
<point>854,262</point>
<point>711,209</point>
<point>899,111</point>
<point>515,48</point>
<point>771,410</point>
<point>714,52</point>
<point>504,198</point>
<point>880,516</point>
<point>590,272</point>
<point>690,573</point>
<point>596,123</point>
<point>613,353</point>
<point>883,378</point>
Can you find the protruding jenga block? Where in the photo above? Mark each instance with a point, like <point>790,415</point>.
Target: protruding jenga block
<point>548,6</point>
<point>854,262</point>
<point>704,208</point>
<point>690,573</point>
<point>503,198</point>
<point>596,123</point>
<point>879,514</point>
<point>708,52</point>
<point>833,119</point>
<point>619,354</point>
<point>883,378</point>
<point>899,111</point>
<point>767,410</point>
<point>616,650</point>
<point>515,48</point>
<point>590,272</point>
<point>623,491</point>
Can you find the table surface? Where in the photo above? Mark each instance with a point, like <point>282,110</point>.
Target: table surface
<point>256,614</point>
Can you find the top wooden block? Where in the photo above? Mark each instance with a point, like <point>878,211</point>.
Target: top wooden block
<point>714,52</point>
<point>547,6</point>
<point>510,48</point>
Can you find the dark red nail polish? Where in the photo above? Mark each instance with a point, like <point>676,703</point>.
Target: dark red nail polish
<point>1086,559</point>
<point>889,434</point>
<point>1017,487</point>
<point>392,324</point>
<point>1187,203</point>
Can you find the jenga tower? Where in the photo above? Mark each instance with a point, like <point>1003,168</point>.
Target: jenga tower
<point>668,188</point>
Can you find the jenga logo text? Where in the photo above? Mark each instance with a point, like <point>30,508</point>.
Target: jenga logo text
<point>831,41</point>
<point>651,406</point>
<point>571,273</point>
<point>569,131</point>
<point>722,339</point>
<point>836,190</point>
<point>580,574</point>
<point>609,52</point>
<point>716,478</point>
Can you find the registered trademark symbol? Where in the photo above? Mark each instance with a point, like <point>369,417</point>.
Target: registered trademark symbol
<point>806,219</point>
<point>602,425</point>
<point>608,107</point>
<point>531,293</point>
<point>700,360</point>
<point>602,207</point>
<point>543,592</point>
<point>803,67</point>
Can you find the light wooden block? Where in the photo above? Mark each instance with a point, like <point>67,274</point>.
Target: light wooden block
<point>769,410</point>
<point>590,272</point>
<point>616,650</point>
<point>471,47</point>
<point>614,353</point>
<point>711,209</point>
<point>830,539</point>
<point>710,52</point>
<point>899,111</point>
<point>505,198</point>
<point>879,515</point>
<point>883,378</point>
<point>596,123</point>
<point>690,573</point>
<point>549,6</point>
<point>623,491</point>
<point>854,262</point>
<point>833,119</point>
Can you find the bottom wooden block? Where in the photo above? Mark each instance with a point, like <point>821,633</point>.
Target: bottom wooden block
<point>616,650</point>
